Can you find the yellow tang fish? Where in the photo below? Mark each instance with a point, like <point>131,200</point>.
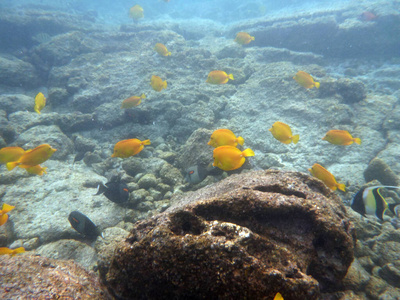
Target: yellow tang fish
<point>5,250</point>
<point>136,12</point>
<point>223,137</point>
<point>305,80</point>
<point>157,83</point>
<point>33,157</point>
<point>324,175</point>
<point>40,102</point>
<point>283,133</point>
<point>8,154</point>
<point>340,137</point>
<point>278,296</point>
<point>37,170</point>
<point>218,77</point>
<point>243,38</point>
<point>162,50</point>
<point>230,158</point>
<point>132,101</point>
<point>127,148</point>
<point>3,213</point>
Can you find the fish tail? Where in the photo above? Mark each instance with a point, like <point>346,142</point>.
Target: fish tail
<point>240,140</point>
<point>317,84</point>
<point>37,110</point>
<point>165,84</point>
<point>341,186</point>
<point>6,208</point>
<point>44,170</point>
<point>12,165</point>
<point>392,207</point>
<point>248,152</point>
<point>357,141</point>
<point>252,38</point>
<point>19,250</point>
<point>230,76</point>
<point>146,142</point>
<point>3,219</point>
<point>295,138</point>
<point>169,53</point>
<point>143,96</point>
<point>100,189</point>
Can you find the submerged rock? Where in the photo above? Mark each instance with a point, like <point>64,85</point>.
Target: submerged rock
<point>380,170</point>
<point>247,236</point>
<point>44,278</point>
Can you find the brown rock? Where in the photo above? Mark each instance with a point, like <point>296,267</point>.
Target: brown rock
<point>247,236</point>
<point>44,278</point>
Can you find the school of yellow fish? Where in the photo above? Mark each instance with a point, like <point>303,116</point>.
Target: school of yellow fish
<point>227,153</point>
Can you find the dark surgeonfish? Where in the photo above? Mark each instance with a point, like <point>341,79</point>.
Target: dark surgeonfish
<point>79,156</point>
<point>369,201</point>
<point>114,190</point>
<point>84,225</point>
<point>196,174</point>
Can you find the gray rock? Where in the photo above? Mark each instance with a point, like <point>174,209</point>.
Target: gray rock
<point>356,277</point>
<point>171,175</point>
<point>196,151</point>
<point>17,102</point>
<point>70,249</point>
<point>17,73</point>
<point>51,135</point>
<point>391,273</point>
<point>380,170</point>
<point>147,181</point>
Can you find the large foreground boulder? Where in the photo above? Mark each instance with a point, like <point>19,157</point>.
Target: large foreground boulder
<point>247,237</point>
<point>34,277</point>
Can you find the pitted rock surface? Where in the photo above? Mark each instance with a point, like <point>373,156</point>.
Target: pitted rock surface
<point>249,236</point>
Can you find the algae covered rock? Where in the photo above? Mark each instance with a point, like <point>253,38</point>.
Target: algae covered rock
<point>247,236</point>
<point>45,278</point>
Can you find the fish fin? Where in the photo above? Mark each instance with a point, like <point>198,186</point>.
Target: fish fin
<point>357,141</point>
<point>143,96</point>
<point>146,142</point>
<point>295,138</point>
<point>240,140</point>
<point>11,165</point>
<point>317,85</point>
<point>278,296</point>
<point>248,152</point>
<point>3,219</point>
<point>230,76</point>
<point>341,186</point>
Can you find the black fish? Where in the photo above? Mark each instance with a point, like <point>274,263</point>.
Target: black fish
<point>83,224</point>
<point>369,201</point>
<point>115,191</point>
